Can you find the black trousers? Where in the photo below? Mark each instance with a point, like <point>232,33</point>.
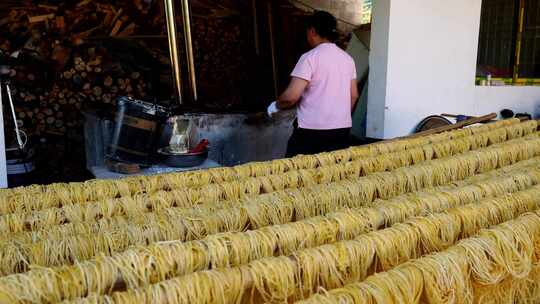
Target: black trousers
<point>307,141</point>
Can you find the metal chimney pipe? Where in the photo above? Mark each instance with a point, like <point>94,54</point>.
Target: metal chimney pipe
<point>273,49</point>
<point>189,48</point>
<point>173,48</point>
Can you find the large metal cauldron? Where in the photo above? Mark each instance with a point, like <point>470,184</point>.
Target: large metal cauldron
<point>135,136</point>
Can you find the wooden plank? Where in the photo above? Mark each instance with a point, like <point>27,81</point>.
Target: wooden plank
<point>40,18</point>
<point>128,31</point>
<point>116,28</point>
<point>116,17</point>
<point>458,125</point>
<point>83,3</point>
<point>49,7</point>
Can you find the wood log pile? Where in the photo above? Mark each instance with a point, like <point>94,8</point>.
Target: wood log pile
<point>66,64</point>
<point>82,54</point>
<point>218,68</point>
<point>75,55</point>
<point>78,51</point>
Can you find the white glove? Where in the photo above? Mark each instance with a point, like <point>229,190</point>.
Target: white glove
<point>272,109</point>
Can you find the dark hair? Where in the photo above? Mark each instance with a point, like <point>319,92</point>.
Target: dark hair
<point>325,24</point>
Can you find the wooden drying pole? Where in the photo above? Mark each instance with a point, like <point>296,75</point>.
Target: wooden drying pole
<point>461,124</point>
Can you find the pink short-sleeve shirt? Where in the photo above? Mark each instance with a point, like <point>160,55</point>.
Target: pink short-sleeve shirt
<point>326,103</point>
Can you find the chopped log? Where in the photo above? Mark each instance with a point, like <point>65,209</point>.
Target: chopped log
<point>83,3</point>
<point>116,28</point>
<point>68,75</point>
<point>107,98</point>
<point>116,17</point>
<point>49,7</point>
<point>128,31</point>
<point>108,81</point>
<point>95,62</point>
<point>108,19</point>
<point>41,18</point>
<point>97,91</point>
<point>60,23</point>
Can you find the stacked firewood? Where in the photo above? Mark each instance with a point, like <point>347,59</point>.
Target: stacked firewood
<point>87,53</point>
<point>219,69</point>
<point>82,84</point>
<point>65,65</point>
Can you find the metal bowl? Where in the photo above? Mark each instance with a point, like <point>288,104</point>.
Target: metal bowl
<point>183,160</point>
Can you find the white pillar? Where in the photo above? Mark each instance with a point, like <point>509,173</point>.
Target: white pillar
<point>3,165</point>
<point>378,62</point>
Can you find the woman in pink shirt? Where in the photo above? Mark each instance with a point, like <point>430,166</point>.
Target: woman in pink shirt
<point>323,88</point>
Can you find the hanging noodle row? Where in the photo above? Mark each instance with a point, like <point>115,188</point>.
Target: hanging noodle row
<point>234,249</point>
<point>99,190</point>
<point>292,179</point>
<point>499,265</point>
<point>110,235</point>
<point>282,279</point>
<point>378,223</point>
<point>161,201</point>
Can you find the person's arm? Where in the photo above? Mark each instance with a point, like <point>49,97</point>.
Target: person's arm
<point>292,94</point>
<point>354,94</point>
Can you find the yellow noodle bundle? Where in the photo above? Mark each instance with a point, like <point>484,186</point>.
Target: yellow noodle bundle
<point>330,266</point>
<point>234,249</point>
<point>212,193</point>
<point>152,228</point>
<point>503,259</point>
<point>76,193</point>
<point>283,230</point>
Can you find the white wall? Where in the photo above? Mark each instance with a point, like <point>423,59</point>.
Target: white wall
<point>3,165</point>
<point>428,51</point>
